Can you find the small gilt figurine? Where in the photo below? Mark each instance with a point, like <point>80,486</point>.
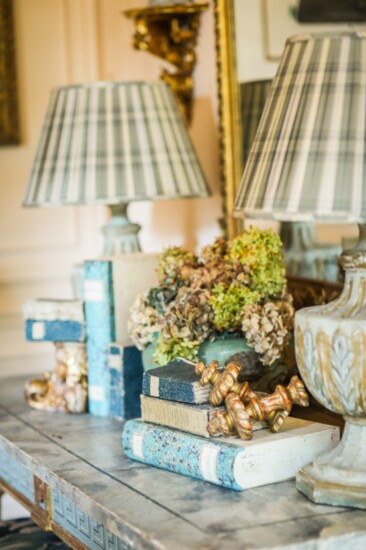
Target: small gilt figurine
<point>244,406</point>
<point>65,388</point>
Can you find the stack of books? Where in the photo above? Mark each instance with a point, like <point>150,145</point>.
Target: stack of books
<point>114,364</point>
<point>172,434</point>
<point>99,322</point>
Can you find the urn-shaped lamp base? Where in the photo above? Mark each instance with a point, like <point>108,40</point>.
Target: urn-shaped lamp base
<point>330,343</point>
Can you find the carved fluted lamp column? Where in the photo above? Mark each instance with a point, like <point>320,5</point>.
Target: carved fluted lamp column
<point>112,143</point>
<point>307,163</point>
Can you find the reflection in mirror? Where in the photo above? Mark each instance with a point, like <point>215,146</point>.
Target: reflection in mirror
<point>261,28</point>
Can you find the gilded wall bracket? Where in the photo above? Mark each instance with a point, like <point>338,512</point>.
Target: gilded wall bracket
<point>170,31</point>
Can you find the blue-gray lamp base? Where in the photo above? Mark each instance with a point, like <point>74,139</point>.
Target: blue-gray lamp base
<point>120,235</point>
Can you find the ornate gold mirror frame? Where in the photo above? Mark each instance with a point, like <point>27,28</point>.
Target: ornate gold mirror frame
<point>9,120</point>
<point>229,114</point>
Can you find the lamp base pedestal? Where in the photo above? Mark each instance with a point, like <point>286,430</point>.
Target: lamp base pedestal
<point>305,256</point>
<point>120,235</point>
<point>338,477</point>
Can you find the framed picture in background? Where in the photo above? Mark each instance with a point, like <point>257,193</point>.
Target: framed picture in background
<point>9,111</point>
<point>283,18</point>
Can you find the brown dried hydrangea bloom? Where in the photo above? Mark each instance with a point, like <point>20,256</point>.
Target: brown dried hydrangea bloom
<point>267,327</point>
<point>189,316</point>
<point>173,266</point>
<point>215,252</point>
<point>217,269</point>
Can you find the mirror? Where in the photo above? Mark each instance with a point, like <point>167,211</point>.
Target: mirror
<point>250,39</point>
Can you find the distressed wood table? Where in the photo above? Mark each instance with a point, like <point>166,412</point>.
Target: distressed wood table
<point>69,471</point>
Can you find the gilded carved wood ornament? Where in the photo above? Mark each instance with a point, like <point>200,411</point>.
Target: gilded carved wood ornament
<point>170,32</point>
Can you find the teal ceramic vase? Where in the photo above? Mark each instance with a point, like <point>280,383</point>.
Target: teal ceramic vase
<point>261,378</point>
<point>221,350</point>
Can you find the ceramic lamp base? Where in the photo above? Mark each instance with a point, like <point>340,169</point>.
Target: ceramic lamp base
<point>338,477</point>
<point>120,235</point>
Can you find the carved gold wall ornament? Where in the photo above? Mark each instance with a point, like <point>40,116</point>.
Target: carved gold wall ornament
<point>170,32</point>
<point>64,389</point>
<point>244,406</point>
<point>9,111</point>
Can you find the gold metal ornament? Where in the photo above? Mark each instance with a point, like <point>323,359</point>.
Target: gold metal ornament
<point>244,406</point>
<point>223,381</point>
<point>170,32</point>
<point>65,389</point>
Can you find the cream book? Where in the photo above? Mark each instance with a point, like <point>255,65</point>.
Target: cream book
<point>186,417</point>
<point>230,462</point>
<point>133,274</point>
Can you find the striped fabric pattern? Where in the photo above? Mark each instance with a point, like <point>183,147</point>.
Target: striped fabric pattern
<point>253,97</point>
<point>307,162</point>
<point>112,142</point>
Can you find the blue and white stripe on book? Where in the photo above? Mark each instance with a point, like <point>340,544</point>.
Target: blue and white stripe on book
<point>125,372</point>
<point>100,331</point>
<point>54,331</point>
<point>230,462</point>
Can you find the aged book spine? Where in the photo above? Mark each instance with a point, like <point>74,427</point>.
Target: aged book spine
<point>237,464</point>
<point>181,416</point>
<point>186,417</point>
<point>54,331</point>
<point>100,331</point>
<point>54,310</point>
<point>174,389</point>
<point>125,378</point>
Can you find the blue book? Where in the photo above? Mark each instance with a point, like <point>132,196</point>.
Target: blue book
<point>176,381</point>
<point>125,375</point>
<point>54,331</point>
<point>100,331</point>
<point>230,462</point>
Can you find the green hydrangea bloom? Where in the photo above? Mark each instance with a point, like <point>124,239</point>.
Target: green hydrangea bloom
<point>167,350</point>
<point>261,250</point>
<point>227,303</point>
<point>171,263</point>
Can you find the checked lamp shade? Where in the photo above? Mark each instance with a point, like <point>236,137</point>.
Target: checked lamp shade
<point>253,95</point>
<point>308,159</point>
<point>112,143</point>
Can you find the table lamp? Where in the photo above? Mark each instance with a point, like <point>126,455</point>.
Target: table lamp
<point>305,256</point>
<point>307,163</point>
<point>112,143</point>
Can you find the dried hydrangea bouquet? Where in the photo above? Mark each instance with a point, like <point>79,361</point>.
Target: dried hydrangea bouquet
<point>236,291</point>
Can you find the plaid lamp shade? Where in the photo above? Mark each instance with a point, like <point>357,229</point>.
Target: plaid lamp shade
<point>308,160</point>
<point>253,97</point>
<point>113,142</point>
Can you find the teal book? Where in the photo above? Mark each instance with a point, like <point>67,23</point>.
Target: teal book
<point>100,332</point>
<point>176,381</point>
<point>231,462</point>
<point>125,381</point>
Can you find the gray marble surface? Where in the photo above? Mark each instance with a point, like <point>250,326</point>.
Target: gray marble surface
<point>139,506</point>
